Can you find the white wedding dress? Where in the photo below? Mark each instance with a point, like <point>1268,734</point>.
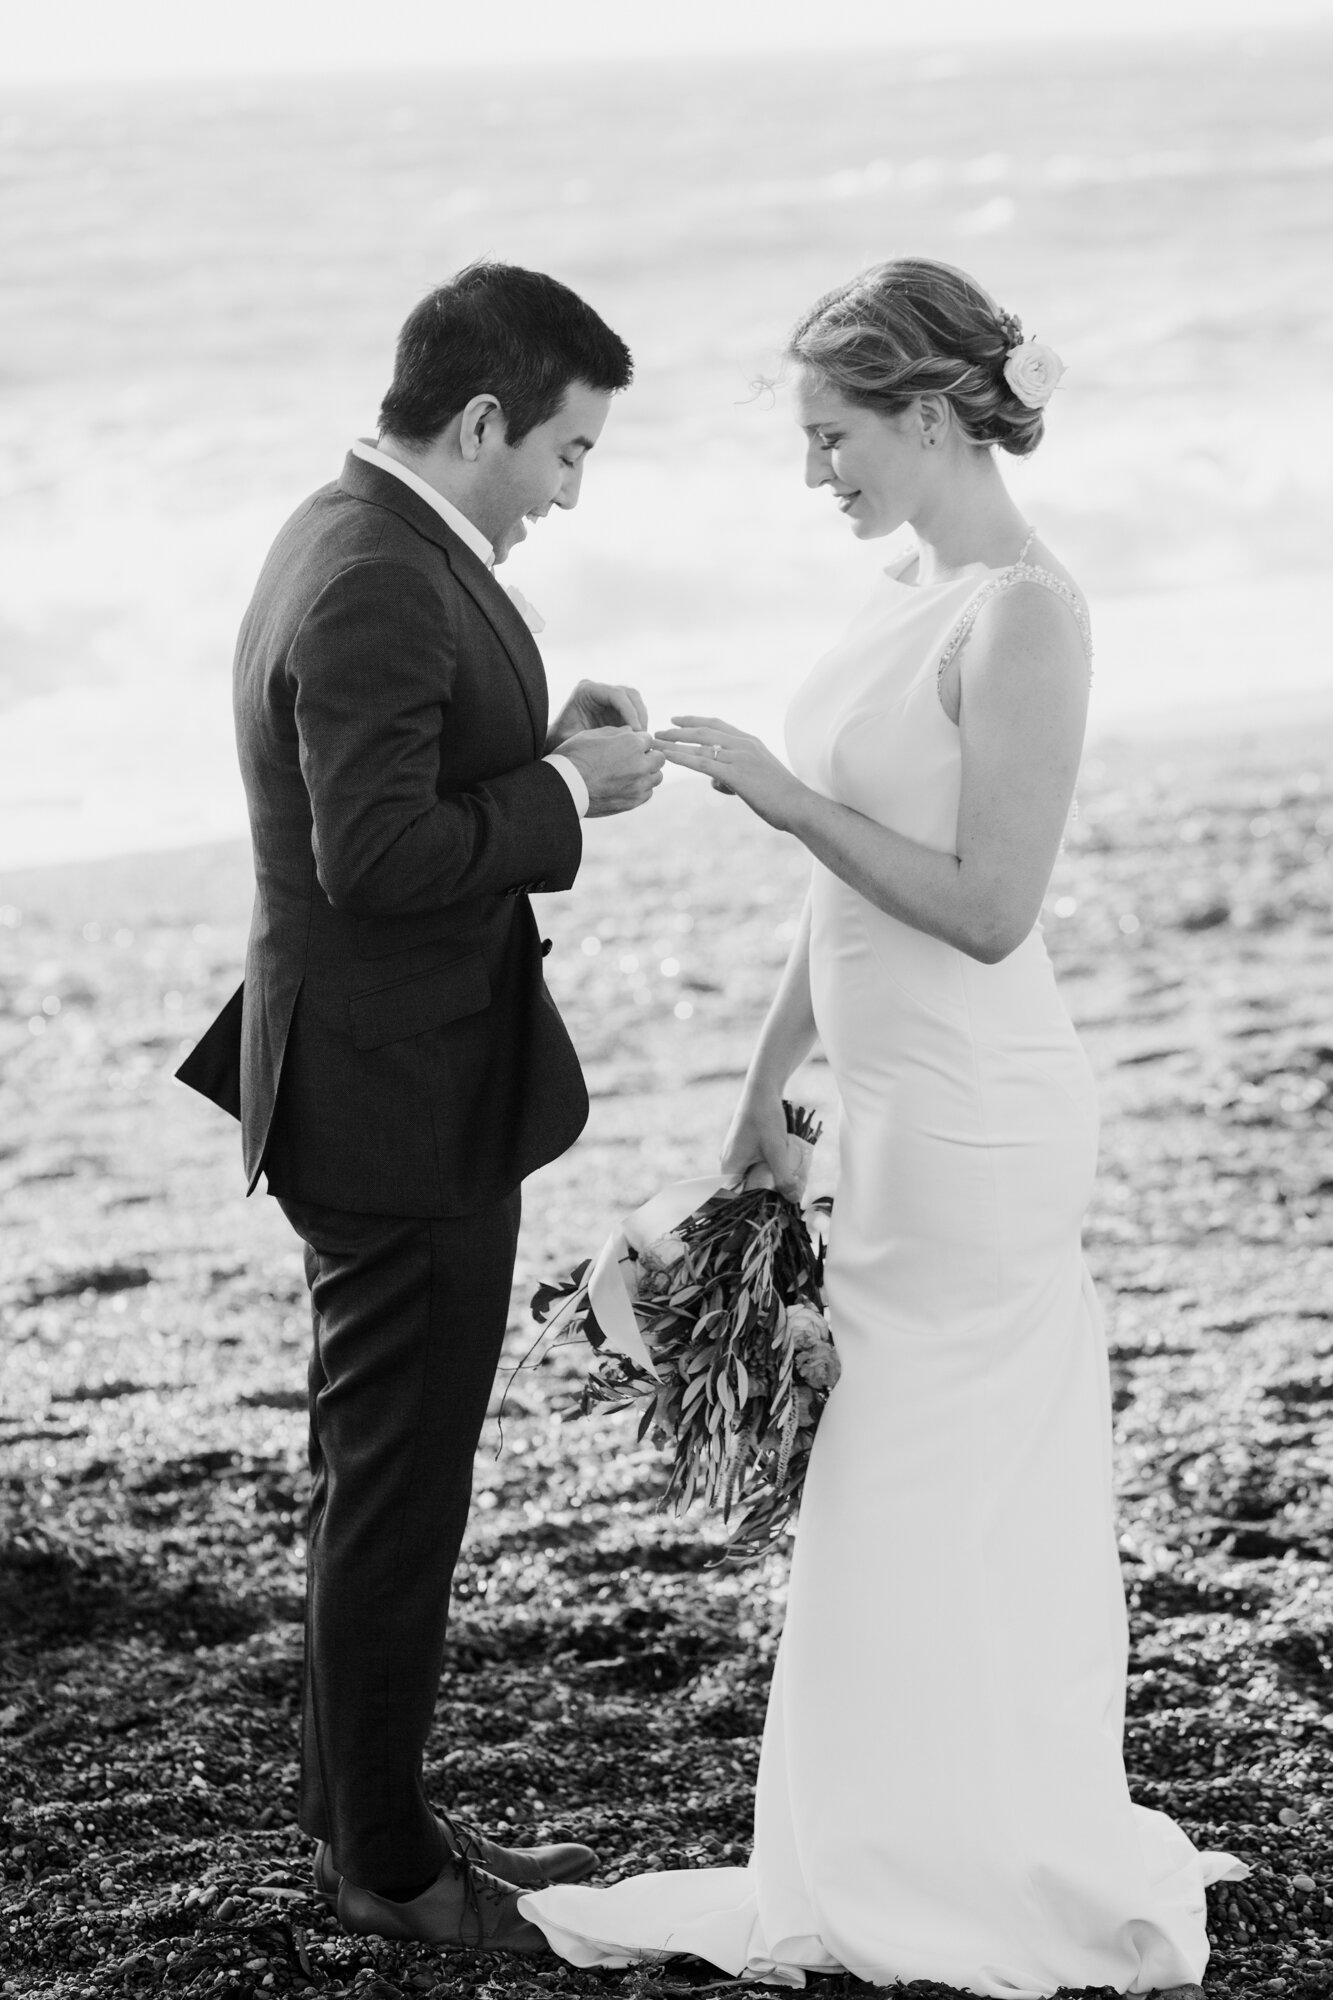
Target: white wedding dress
<point>941,1788</point>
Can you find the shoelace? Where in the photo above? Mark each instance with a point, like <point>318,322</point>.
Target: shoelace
<point>471,1901</point>
<point>480,1886</point>
<point>467,1843</point>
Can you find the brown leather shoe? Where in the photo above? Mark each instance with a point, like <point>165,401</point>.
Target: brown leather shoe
<point>524,1867</point>
<point>464,1909</point>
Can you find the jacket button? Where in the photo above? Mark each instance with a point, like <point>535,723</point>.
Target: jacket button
<point>546,946</point>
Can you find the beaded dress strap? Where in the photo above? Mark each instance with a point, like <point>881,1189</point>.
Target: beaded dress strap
<point>1005,579</point>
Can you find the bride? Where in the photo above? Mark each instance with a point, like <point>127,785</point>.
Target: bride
<point>941,1788</point>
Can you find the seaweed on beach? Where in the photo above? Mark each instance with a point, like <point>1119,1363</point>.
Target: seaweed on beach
<point>605,1679</point>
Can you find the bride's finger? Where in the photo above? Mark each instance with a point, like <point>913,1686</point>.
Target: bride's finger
<point>700,733</point>
<point>690,758</point>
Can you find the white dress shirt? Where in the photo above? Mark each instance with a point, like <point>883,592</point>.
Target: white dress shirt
<point>469,533</point>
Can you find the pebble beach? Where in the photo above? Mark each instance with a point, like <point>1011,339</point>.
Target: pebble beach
<point>603,1682</point>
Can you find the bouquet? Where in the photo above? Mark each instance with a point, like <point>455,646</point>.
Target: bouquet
<point>703,1313</point>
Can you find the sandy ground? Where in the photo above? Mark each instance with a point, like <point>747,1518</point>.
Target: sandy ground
<point>601,1681</point>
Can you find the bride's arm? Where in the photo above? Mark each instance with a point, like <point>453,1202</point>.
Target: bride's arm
<point>759,1126</point>
<point>1023,707</point>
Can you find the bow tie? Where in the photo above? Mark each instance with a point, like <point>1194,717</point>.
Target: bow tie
<point>530,615</point>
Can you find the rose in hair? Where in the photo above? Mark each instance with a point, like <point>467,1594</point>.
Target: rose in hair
<point>1033,372</point>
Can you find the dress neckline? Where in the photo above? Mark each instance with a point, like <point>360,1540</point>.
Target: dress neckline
<point>894,570</point>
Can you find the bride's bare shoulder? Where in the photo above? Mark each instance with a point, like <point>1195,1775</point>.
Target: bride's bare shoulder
<point>1029,627</point>
<point>1041,557</point>
<point>1027,608</point>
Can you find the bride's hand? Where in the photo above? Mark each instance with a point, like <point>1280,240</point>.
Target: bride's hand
<point>736,762</point>
<point>758,1137</point>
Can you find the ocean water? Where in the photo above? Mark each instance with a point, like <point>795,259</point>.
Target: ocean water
<point>200,287</point>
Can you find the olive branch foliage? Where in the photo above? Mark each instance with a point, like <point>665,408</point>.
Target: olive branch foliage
<point>727,1399</point>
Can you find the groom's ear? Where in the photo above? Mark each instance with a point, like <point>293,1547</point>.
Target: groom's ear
<point>480,421</point>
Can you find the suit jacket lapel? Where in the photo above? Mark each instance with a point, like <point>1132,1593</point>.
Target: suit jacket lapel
<point>381,489</point>
<point>496,605</point>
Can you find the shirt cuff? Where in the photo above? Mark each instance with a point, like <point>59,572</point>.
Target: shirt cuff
<point>573,777</point>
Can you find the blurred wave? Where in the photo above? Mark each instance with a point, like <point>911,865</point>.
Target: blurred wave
<point>200,287</point>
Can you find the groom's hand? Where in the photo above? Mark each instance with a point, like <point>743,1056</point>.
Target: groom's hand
<point>620,767</point>
<point>598,705</point>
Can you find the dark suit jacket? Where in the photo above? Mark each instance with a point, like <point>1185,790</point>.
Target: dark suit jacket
<point>394,1049</point>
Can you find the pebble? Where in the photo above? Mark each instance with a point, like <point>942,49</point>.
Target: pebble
<point>1246,1961</point>
<point>1305,1883</point>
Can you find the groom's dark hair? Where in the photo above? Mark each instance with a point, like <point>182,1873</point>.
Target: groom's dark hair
<point>500,330</point>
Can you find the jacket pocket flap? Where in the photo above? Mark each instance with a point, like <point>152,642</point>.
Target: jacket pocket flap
<point>415,1006</point>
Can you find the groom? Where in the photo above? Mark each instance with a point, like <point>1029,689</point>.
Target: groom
<point>394,1057</point>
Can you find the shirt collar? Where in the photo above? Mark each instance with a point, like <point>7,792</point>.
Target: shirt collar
<point>466,531</point>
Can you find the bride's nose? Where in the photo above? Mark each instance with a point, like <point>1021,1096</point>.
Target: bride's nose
<point>817,469</point>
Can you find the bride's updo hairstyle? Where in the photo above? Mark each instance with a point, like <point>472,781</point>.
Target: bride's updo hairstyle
<point>911,328</point>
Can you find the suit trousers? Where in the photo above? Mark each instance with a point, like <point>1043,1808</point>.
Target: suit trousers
<point>408,1318</point>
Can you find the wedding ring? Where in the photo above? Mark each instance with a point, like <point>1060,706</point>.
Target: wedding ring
<point>717,749</point>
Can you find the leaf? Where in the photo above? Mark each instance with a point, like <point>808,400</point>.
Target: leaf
<point>554,1289</point>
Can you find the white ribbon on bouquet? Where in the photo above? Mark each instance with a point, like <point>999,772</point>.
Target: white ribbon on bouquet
<point>611,1283</point>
